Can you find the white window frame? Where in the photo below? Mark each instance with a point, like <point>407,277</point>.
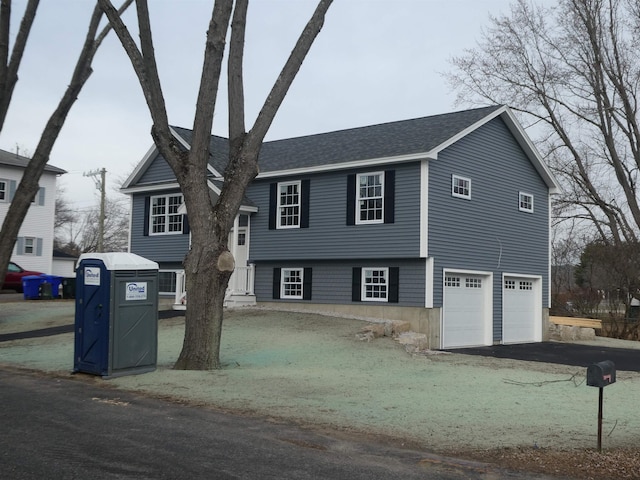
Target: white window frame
<point>280,208</point>
<point>525,199</point>
<point>4,192</point>
<point>455,192</point>
<point>287,283</point>
<point>374,198</point>
<point>29,243</point>
<point>175,274</point>
<point>166,215</point>
<point>368,295</point>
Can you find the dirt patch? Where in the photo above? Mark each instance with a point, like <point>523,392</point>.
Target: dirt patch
<point>313,370</point>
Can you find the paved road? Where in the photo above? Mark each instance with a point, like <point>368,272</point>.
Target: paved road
<point>62,428</point>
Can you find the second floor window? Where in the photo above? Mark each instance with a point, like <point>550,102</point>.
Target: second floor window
<point>289,205</point>
<point>29,246</point>
<point>164,216</point>
<point>4,194</point>
<point>370,201</point>
<point>460,187</point>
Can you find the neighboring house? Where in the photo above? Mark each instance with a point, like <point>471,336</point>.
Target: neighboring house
<point>64,264</point>
<point>34,247</point>
<point>442,221</point>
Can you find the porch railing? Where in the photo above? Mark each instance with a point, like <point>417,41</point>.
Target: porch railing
<point>240,283</point>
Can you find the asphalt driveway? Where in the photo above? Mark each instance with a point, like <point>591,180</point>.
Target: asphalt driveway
<point>560,353</point>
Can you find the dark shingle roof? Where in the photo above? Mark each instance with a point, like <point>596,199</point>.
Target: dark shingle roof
<point>406,137</point>
<point>14,160</point>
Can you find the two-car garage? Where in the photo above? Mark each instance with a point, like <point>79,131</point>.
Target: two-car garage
<point>468,309</point>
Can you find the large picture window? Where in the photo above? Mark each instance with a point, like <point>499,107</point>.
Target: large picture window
<point>370,200</point>
<point>289,205</point>
<point>163,216</point>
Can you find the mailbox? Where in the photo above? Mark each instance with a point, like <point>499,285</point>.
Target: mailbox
<point>601,374</point>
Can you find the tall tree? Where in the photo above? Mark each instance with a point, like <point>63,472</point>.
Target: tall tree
<point>209,264</point>
<point>573,70</point>
<point>28,186</point>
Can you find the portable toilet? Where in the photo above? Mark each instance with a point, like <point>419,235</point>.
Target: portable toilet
<point>116,318</point>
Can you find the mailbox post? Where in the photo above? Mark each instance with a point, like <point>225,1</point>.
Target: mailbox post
<point>600,375</point>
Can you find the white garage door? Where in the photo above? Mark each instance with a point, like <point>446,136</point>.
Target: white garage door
<point>521,314</point>
<point>467,312</point>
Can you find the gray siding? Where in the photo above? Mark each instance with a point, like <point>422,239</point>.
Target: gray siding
<point>488,232</point>
<point>328,236</point>
<point>332,281</point>
<point>159,248</point>
<point>158,171</point>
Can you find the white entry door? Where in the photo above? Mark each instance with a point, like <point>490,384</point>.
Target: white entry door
<point>467,316</point>
<point>521,310</point>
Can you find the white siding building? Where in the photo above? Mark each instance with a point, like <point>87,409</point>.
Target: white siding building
<point>34,247</point>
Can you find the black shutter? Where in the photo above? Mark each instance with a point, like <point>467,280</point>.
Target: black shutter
<point>276,283</point>
<point>273,205</point>
<point>185,225</point>
<point>356,284</point>
<point>351,199</point>
<point>394,284</point>
<point>147,208</point>
<point>304,203</point>
<point>389,196</point>
<point>306,284</point>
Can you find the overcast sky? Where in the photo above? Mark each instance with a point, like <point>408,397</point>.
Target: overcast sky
<point>375,61</point>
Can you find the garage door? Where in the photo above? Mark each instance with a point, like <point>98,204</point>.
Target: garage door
<point>467,312</point>
<point>521,314</point>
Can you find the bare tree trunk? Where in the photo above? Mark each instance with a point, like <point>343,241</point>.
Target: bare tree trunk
<point>28,187</point>
<point>209,264</point>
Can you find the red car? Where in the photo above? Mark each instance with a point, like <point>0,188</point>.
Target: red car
<point>13,278</point>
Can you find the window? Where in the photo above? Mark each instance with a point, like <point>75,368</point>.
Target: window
<point>452,282</point>
<point>370,200</point>
<point>292,283</point>
<point>167,281</point>
<point>510,284</point>
<point>473,282</point>
<point>375,284</point>
<point>289,205</point>
<point>164,217</point>
<point>29,246</point>
<point>525,202</point>
<point>242,239</point>
<point>4,190</point>
<point>460,187</point>
<point>526,285</point>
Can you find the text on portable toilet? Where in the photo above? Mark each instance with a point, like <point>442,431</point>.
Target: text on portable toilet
<point>136,291</point>
<point>91,276</point>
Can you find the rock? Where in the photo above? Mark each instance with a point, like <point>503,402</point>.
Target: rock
<point>399,326</point>
<point>587,334</point>
<point>376,329</point>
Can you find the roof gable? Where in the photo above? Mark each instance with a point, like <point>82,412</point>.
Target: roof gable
<point>388,142</point>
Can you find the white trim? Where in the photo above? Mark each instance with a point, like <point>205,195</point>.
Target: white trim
<point>282,290</point>
<point>428,283</point>
<point>169,270</point>
<point>279,206</point>
<point>140,168</point>
<point>363,289</point>
<point>151,187</point>
<point>370,162</point>
<point>358,199</point>
<point>520,207</point>
<point>464,179</point>
<point>424,209</point>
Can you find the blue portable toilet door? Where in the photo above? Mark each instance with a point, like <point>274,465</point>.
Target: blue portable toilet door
<point>93,283</point>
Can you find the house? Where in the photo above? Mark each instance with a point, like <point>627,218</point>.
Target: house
<point>442,221</point>
<point>64,264</point>
<point>34,247</point>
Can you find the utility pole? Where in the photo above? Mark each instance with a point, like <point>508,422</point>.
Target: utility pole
<point>100,185</point>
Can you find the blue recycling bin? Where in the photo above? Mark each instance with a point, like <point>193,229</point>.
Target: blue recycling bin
<point>55,281</point>
<point>116,319</point>
<point>31,286</point>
